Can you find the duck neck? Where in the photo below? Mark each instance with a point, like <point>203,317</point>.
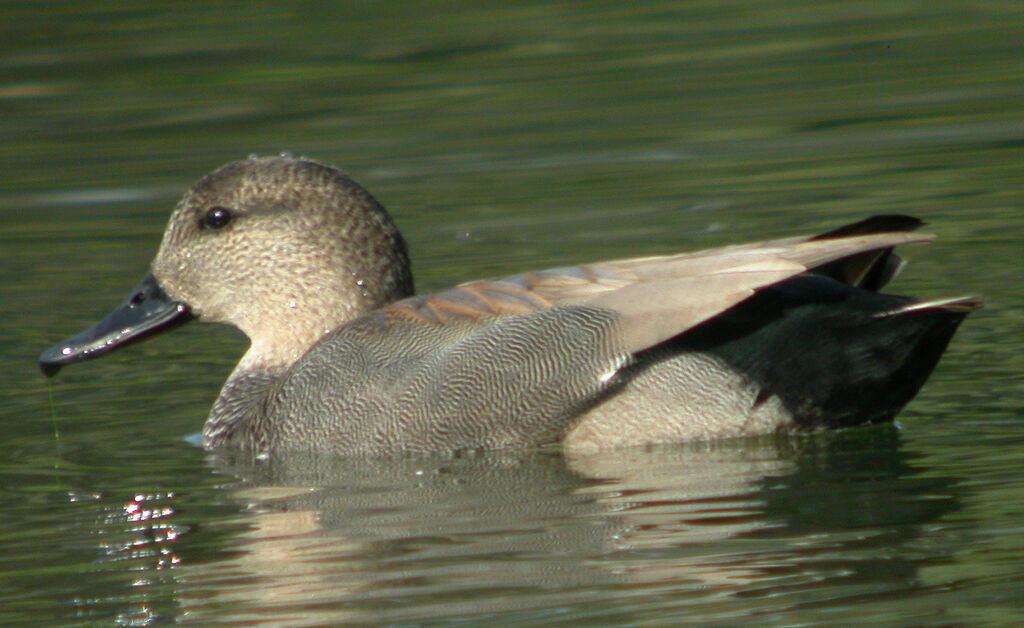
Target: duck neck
<point>279,337</point>
<point>236,414</point>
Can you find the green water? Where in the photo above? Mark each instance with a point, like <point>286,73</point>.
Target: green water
<point>503,137</point>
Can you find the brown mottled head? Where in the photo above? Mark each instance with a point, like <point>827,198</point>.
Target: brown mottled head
<point>285,249</point>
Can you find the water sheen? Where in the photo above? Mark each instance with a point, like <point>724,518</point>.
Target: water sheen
<point>505,137</point>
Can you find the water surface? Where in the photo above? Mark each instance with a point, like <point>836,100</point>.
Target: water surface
<point>503,137</point>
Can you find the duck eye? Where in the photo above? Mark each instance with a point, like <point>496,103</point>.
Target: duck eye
<point>216,218</point>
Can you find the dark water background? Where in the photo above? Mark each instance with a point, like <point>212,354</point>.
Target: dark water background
<point>508,136</point>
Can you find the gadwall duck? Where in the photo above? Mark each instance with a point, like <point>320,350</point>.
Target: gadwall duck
<point>782,335</point>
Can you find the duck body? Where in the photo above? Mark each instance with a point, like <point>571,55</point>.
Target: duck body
<point>806,354</point>
<point>742,340</point>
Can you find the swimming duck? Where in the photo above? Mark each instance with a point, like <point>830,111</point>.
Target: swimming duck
<point>787,334</point>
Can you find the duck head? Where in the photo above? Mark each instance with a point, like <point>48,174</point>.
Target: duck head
<point>284,249</point>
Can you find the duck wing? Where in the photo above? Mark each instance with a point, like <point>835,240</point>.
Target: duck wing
<point>654,298</point>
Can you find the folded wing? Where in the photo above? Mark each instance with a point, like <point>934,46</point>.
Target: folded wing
<point>654,298</point>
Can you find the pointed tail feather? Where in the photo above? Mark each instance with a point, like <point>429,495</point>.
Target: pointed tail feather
<point>872,270</point>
